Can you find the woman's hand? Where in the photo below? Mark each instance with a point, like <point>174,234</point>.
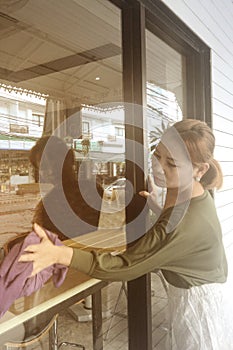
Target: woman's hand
<point>151,196</point>
<point>45,253</point>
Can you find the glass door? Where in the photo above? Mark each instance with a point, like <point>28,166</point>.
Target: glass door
<point>165,92</point>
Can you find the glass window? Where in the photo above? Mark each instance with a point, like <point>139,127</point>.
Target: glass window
<point>85,128</point>
<point>119,131</point>
<point>165,88</point>
<point>64,80</point>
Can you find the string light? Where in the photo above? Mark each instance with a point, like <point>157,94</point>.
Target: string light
<point>102,109</point>
<point>21,91</point>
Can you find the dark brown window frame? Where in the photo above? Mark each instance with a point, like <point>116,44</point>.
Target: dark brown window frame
<point>154,15</point>
<point>167,26</point>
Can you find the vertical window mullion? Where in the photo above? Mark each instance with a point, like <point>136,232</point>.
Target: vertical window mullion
<point>133,40</point>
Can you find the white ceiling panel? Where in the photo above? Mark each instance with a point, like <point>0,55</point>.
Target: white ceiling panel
<point>60,47</point>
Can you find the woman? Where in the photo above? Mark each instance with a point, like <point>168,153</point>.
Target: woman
<point>71,203</point>
<point>185,242</point>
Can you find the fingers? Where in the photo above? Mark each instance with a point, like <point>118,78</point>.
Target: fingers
<point>151,188</point>
<point>34,272</point>
<point>27,257</point>
<point>39,231</point>
<point>144,194</point>
<point>30,258</point>
<point>30,253</point>
<point>31,248</point>
<point>151,184</point>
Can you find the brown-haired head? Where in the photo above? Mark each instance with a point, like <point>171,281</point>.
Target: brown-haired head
<point>200,143</point>
<point>57,154</point>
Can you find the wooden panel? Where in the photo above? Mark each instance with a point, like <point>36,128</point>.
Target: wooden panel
<point>197,16</point>
<point>210,19</point>
<point>225,12</point>
<point>227,167</point>
<point>228,239</point>
<point>220,64</point>
<point>223,153</point>
<point>220,76</point>
<point>223,138</point>
<point>227,182</point>
<point>221,109</point>
<point>224,197</point>
<point>225,211</point>
<point>227,225</point>
<point>223,94</point>
<point>222,123</point>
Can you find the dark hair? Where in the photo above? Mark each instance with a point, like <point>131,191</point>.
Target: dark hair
<point>81,195</point>
<point>54,150</point>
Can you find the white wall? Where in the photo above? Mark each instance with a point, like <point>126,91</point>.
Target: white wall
<point>212,21</point>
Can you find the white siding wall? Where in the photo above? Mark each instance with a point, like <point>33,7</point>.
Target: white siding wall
<point>212,21</point>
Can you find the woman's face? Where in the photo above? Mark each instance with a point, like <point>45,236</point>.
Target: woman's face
<point>171,171</point>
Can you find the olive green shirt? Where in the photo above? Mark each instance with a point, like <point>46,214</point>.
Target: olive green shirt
<point>191,254</point>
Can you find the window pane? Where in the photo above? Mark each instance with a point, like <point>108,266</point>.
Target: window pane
<point>60,74</point>
<point>166,85</point>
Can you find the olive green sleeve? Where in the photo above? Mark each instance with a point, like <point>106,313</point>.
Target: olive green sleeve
<point>134,262</point>
<point>190,254</point>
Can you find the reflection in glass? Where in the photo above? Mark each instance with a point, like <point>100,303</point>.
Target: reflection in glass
<point>56,80</point>
<point>60,74</point>
<point>165,92</point>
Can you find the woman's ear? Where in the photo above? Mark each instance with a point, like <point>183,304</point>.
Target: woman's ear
<point>202,169</point>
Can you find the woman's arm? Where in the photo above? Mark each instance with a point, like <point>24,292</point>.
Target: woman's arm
<point>133,263</point>
<point>105,265</point>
